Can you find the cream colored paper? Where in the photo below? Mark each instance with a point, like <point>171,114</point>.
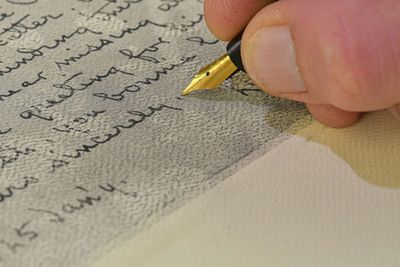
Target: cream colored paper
<point>298,205</point>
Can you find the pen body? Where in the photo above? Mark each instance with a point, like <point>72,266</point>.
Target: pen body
<point>233,50</point>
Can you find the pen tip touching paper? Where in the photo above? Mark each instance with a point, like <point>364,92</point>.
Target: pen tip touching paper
<point>212,76</point>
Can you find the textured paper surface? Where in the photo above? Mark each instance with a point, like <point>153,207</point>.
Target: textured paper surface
<point>318,210</point>
<point>96,143</point>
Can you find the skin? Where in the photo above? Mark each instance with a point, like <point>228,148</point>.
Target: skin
<point>348,51</point>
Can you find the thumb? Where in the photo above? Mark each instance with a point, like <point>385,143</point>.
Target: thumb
<point>344,54</point>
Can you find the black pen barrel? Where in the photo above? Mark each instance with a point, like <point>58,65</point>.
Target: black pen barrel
<point>233,50</point>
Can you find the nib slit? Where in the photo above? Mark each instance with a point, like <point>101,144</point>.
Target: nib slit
<point>212,76</point>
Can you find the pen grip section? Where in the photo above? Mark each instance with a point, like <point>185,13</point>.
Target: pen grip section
<point>233,50</point>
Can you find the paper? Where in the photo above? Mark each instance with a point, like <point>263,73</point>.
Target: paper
<point>96,142</point>
<point>317,211</point>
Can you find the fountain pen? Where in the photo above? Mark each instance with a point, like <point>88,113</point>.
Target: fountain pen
<point>214,74</point>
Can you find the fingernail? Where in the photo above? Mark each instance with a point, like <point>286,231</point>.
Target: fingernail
<point>272,61</point>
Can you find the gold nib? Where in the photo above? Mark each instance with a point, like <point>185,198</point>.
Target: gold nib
<point>212,76</point>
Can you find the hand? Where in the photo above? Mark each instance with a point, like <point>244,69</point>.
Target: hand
<point>339,57</point>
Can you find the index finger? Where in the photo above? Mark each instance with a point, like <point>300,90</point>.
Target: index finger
<point>226,18</point>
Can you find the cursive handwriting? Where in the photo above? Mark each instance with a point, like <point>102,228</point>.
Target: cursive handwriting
<point>143,55</point>
<point>9,191</point>
<point>24,85</point>
<point>10,154</point>
<point>151,79</point>
<point>90,92</point>
<point>135,117</point>
<point>90,49</point>
<point>19,28</point>
<point>32,54</point>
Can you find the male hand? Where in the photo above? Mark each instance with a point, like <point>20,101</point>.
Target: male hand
<point>341,58</point>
